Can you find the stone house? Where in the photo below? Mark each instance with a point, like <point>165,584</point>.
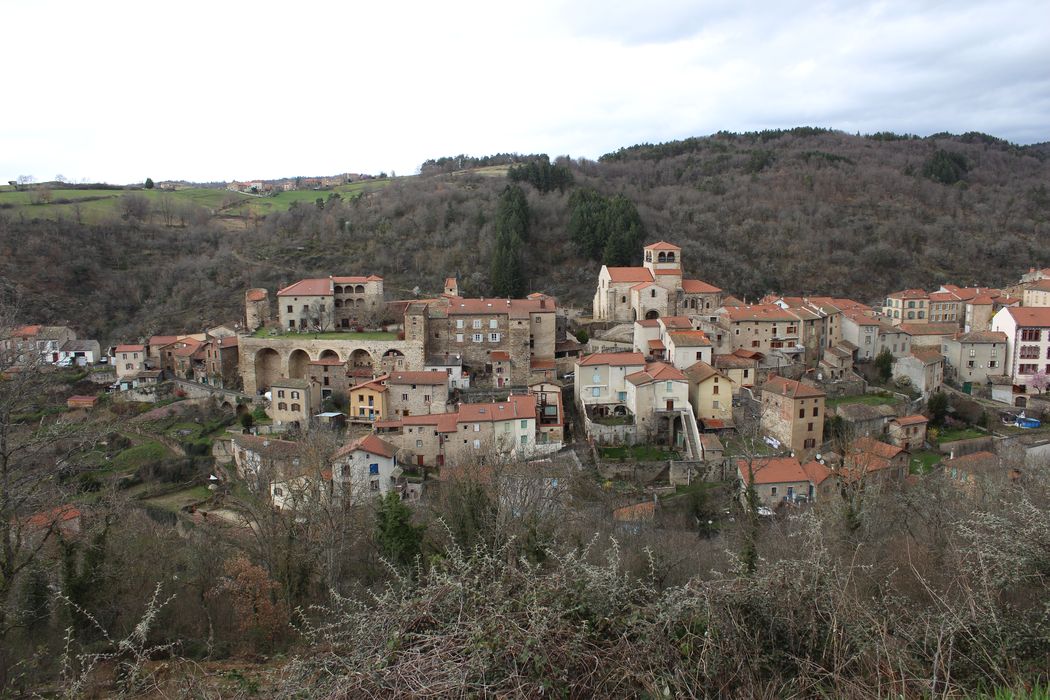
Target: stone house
<point>923,367</point>
<point>861,328</point>
<point>364,469</point>
<point>779,480</point>
<point>600,382</point>
<point>129,360</point>
<point>654,394</point>
<point>329,303</point>
<point>974,356</point>
<point>710,394</point>
<point>416,393</point>
<point>862,419</point>
<point>687,347</point>
<point>908,432</point>
<point>452,367</point>
<point>908,305</point>
<point>793,413</point>
<point>290,402</point>
<point>1037,294</point>
<point>740,366</point>
<point>550,414</point>
<point>929,335</point>
<point>874,461</point>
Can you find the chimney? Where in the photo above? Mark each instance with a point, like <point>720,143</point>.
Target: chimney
<point>543,303</point>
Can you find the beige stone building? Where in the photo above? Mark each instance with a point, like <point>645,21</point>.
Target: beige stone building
<point>416,393</point>
<point>908,305</point>
<point>474,329</point>
<point>974,356</point>
<point>793,413</point>
<point>655,392</point>
<point>710,394</point>
<point>923,368</point>
<point>329,303</point>
<point>129,360</point>
<point>653,290</point>
<point>290,402</point>
<point>778,480</point>
<point>908,432</point>
<point>1038,294</point>
<point>686,348</point>
<point>256,309</point>
<point>600,382</point>
<point>741,366</point>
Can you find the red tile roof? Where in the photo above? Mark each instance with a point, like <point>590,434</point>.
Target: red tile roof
<point>872,446</point>
<point>927,356</point>
<point>663,245</point>
<point>981,337</point>
<point>908,294</point>
<point>540,363</point>
<point>255,295</point>
<point>701,371</point>
<point>689,339</point>
<point>1030,315</point>
<point>427,378</point>
<point>929,328</point>
<point>637,513</point>
<point>698,287</point>
<point>130,348</point>
<point>516,308</point>
<point>816,472</point>
<point>657,344</point>
<point>368,443</point>
<point>910,420</point>
<point>617,359</point>
<point>61,514</point>
<point>656,372</point>
<point>759,312</point>
<point>772,470</point>
<point>791,388</point>
<point>629,274</point>
<point>356,279</point>
<point>676,322</point>
<point>308,288</point>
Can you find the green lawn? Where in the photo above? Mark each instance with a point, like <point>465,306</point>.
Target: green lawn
<point>180,499</point>
<point>866,399</point>
<point>922,462</point>
<point>134,457</point>
<point>639,453</point>
<point>331,335</point>
<point>960,434</point>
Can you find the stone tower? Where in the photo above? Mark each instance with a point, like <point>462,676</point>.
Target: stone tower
<point>256,309</point>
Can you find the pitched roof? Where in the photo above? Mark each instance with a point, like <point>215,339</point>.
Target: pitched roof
<point>1042,285</point>
<point>290,383</point>
<point>516,406</point>
<point>629,274</point>
<point>927,356</point>
<point>689,339</point>
<point>356,279</point>
<point>255,295</point>
<point>733,362</point>
<point>701,371</point>
<point>758,312</point>
<point>648,323</point>
<point>636,513</point>
<point>676,322</point>
<point>791,388</point>
<point>816,471</point>
<point>876,447</point>
<point>514,308</point>
<point>698,287</point>
<point>130,348</point>
<point>656,372</point>
<point>930,328</point>
<point>908,294</point>
<point>368,443</point>
<point>617,359</point>
<point>915,419</point>
<point>772,470</point>
<point>663,245</point>
<point>981,337</point>
<point>308,288</point>
<point>1030,315</point>
<point>430,378</point>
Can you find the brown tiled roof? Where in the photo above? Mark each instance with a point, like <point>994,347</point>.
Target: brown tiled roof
<point>698,287</point>
<point>656,372</point>
<point>911,420</point>
<point>430,378</point>
<point>308,288</point>
<point>929,328</point>
<point>772,470</point>
<point>1030,315</point>
<point>791,388</point>
<point>876,447</point>
<point>541,363</point>
<point>648,323</point>
<point>689,339</point>
<point>613,358</point>
<point>908,294</point>
<point>927,356</point>
<point>130,348</point>
<point>356,279</point>
<point>733,362</point>
<point>816,471</point>
<point>637,513</point>
<point>981,337</point>
<point>663,245</point>
<point>515,308</point>
<point>701,371</point>
<point>368,443</point>
<point>676,322</point>
<point>759,312</point>
<point>629,274</point>
<point>255,294</point>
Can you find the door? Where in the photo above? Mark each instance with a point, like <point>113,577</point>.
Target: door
<point>419,460</point>
<point>670,404</point>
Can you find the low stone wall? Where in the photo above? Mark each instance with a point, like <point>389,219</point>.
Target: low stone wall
<point>967,447</point>
<point>610,434</point>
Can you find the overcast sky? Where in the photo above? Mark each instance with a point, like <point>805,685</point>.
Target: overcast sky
<point>221,90</point>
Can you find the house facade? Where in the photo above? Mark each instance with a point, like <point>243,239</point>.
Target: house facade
<point>1027,331</point>
<point>793,413</point>
<point>974,356</point>
<point>364,469</point>
<point>129,360</point>
<point>710,394</point>
<point>290,402</point>
<point>328,303</point>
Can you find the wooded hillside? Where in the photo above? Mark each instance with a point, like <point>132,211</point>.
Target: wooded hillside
<point>803,210</point>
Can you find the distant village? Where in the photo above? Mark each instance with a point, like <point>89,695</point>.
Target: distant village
<point>717,387</point>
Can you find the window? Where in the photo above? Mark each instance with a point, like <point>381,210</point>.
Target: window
<point>754,343</point>
<point>477,338</point>
<point>524,439</point>
<point>670,386</point>
<point>1029,352</point>
<point>306,308</point>
<point>992,364</point>
<point>801,413</point>
<point>125,356</point>
<point>477,427</point>
<point>289,308</point>
<point>714,405</point>
<point>524,424</point>
<point>295,394</point>
<point>714,390</point>
<point>809,444</point>
<point>493,337</point>
<point>493,323</point>
<point>911,314</point>
<point>621,396</point>
<point>652,293</point>
<point>278,491</point>
<point>1031,334</point>
<point>373,468</point>
<point>809,428</point>
<point>477,444</point>
<point>426,398</point>
<point>596,391</point>
<point>746,373</point>
<point>280,393</point>
<point>282,406</point>
<point>970,363</point>
<point>1027,369</point>
<point>816,411</point>
<point>296,407</point>
<point>373,484</point>
<point>973,352</point>
<point>459,337</point>
<point>404,397</point>
<point>772,490</point>
<point>476,323</point>
<point>419,443</point>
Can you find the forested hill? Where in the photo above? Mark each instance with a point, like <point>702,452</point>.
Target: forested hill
<point>803,210</point>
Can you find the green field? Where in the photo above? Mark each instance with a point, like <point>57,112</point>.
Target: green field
<point>332,335</point>
<point>134,457</point>
<point>922,462</point>
<point>95,206</point>
<point>961,434</point>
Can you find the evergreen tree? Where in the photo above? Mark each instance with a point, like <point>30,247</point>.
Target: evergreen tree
<point>884,363</point>
<point>149,183</point>
<point>512,230</point>
<point>398,539</point>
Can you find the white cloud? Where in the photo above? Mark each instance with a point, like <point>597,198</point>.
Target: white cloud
<point>204,91</point>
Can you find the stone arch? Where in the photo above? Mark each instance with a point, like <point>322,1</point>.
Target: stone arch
<point>358,303</point>
<point>359,289</point>
<point>297,362</point>
<point>662,257</point>
<point>226,406</point>
<point>393,360</point>
<point>329,354</point>
<point>1021,401</point>
<point>267,368</point>
<point>361,359</point>
<point>652,314</point>
<point>670,256</point>
<point>338,289</point>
